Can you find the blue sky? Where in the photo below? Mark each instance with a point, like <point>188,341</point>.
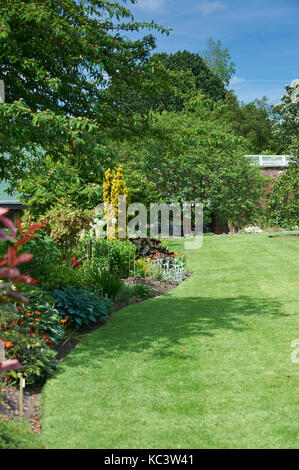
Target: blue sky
<point>261,35</point>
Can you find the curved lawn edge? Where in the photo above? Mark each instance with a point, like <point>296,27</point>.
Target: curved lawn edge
<point>203,366</point>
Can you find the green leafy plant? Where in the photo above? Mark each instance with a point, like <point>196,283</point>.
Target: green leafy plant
<point>129,291</point>
<point>143,267</point>
<point>45,252</point>
<point>64,224</point>
<point>126,293</point>
<point>81,307</point>
<point>110,284</point>
<point>141,291</point>
<point>41,316</point>
<point>114,256</point>
<point>59,276</point>
<point>32,351</point>
<point>18,435</point>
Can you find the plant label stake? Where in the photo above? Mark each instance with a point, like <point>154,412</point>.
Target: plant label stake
<point>2,92</point>
<point>2,351</point>
<point>22,385</point>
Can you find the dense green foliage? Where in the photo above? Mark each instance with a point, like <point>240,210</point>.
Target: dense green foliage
<point>205,80</point>
<point>201,161</point>
<point>251,120</point>
<point>18,435</point>
<point>81,307</point>
<point>65,223</point>
<point>41,315</point>
<point>286,119</point>
<point>115,256</point>
<point>55,60</point>
<point>76,183</point>
<point>33,352</point>
<point>282,207</point>
<point>45,252</point>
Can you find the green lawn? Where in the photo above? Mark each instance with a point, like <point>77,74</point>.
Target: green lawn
<point>205,366</point>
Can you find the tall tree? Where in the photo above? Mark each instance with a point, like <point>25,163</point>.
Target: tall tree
<point>286,119</point>
<point>218,60</point>
<point>202,160</point>
<point>283,203</point>
<point>59,59</point>
<point>250,120</point>
<point>205,80</point>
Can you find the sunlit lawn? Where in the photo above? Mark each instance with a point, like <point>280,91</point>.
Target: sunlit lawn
<point>205,366</point>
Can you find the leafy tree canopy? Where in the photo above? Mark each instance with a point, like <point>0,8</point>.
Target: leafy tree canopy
<point>286,119</point>
<point>219,60</point>
<point>73,183</point>
<point>59,60</point>
<point>282,207</point>
<point>205,80</point>
<point>251,120</point>
<point>200,160</point>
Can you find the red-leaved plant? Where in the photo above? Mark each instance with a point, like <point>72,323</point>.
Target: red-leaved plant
<point>9,290</point>
<point>8,266</point>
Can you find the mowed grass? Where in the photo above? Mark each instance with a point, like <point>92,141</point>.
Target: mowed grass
<point>207,365</point>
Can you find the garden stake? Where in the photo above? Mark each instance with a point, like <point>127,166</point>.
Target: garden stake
<point>21,397</point>
<point>134,264</point>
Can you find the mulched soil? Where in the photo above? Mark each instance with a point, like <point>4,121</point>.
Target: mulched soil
<point>9,405</point>
<point>9,400</point>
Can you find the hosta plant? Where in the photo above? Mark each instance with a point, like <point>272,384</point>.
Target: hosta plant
<point>80,307</point>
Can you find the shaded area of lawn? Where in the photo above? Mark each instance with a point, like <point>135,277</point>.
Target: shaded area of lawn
<point>169,321</point>
<point>206,365</point>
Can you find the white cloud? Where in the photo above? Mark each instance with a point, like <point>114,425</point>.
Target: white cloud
<point>210,7</point>
<point>236,80</point>
<point>151,5</point>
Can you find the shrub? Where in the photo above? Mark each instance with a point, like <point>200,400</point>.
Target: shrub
<point>149,246</point>
<point>114,256</point>
<point>45,252</point>
<point>60,276</point>
<point>130,290</point>
<point>110,284</point>
<point>142,267</point>
<point>141,291</point>
<point>64,224</point>
<point>126,293</point>
<point>95,277</point>
<point>13,258</point>
<point>114,186</point>
<point>14,279</point>
<point>18,435</point>
<point>41,315</point>
<point>81,307</point>
<point>32,351</point>
<point>156,271</point>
